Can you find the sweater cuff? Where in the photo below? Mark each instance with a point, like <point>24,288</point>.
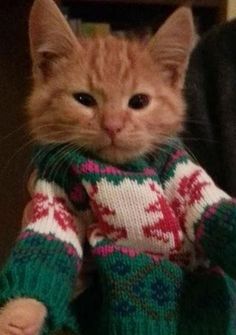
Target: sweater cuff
<point>48,277</point>
<point>216,234</point>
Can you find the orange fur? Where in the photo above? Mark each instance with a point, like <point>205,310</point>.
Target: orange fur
<point>111,70</point>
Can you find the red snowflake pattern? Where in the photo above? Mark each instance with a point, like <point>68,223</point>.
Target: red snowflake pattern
<point>41,205</point>
<point>165,225</point>
<point>190,188</point>
<point>189,192</point>
<point>180,211</point>
<point>102,212</point>
<point>63,215</point>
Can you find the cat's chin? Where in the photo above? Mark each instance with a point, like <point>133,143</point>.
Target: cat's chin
<point>116,155</point>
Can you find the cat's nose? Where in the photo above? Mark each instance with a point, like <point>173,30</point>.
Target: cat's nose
<point>112,132</point>
<point>112,128</point>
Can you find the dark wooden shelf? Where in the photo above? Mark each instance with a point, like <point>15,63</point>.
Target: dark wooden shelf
<point>197,3</point>
<point>135,14</point>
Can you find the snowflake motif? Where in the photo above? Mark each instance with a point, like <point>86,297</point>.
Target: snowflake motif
<point>61,213</point>
<point>189,191</point>
<point>190,188</point>
<point>120,268</point>
<point>39,207</point>
<point>168,224</point>
<point>123,307</point>
<point>160,292</point>
<point>102,213</point>
<point>180,212</point>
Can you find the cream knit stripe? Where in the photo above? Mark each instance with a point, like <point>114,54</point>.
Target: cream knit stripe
<point>200,193</point>
<point>52,214</point>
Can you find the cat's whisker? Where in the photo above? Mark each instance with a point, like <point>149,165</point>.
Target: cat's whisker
<point>14,155</point>
<point>205,122</point>
<point>19,150</point>
<point>60,158</point>
<point>197,122</point>
<point>199,139</point>
<point>13,132</point>
<point>29,165</point>
<point>175,145</point>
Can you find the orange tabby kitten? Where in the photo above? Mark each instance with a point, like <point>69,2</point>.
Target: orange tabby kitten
<point>85,90</point>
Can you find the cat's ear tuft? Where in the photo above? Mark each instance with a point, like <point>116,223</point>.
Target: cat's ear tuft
<point>172,44</point>
<point>50,35</point>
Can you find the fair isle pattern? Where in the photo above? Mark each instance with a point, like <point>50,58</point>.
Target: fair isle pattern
<point>190,191</point>
<point>135,214</point>
<point>143,297</point>
<point>158,230</point>
<point>52,216</point>
<point>133,205</point>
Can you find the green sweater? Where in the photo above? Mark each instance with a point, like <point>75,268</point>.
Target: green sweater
<point>159,233</point>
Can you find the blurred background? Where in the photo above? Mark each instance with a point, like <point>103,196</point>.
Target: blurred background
<point>123,17</point>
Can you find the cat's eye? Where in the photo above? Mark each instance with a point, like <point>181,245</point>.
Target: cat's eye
<point>139,101</point>
<point>85,99</point>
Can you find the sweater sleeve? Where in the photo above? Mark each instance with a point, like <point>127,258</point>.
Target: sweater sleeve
<point>206,213</point>
<point>46,258</point>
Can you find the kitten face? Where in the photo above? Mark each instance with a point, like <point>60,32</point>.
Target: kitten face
<point>115,98</point>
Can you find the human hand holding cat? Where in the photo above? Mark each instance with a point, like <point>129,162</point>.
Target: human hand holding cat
<point>22,317</point>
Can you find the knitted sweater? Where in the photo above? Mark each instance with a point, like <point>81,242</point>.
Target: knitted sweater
<point>161,234</point>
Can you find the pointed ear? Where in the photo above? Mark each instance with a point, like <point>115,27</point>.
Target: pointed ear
<point>172,45</point>
<point>50,35</point>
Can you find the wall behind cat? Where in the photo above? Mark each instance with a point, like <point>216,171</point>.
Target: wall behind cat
<point>231,9</point>
<point>14,85</point>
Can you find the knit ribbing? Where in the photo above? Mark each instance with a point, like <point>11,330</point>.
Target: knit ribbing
<point>41,268</point>
<point>216,231</point>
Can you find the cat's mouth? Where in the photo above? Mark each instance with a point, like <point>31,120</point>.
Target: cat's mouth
<point>117,149</point>
<point>118,153</point>
<point>115,144</point>
<point>111,147</point>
